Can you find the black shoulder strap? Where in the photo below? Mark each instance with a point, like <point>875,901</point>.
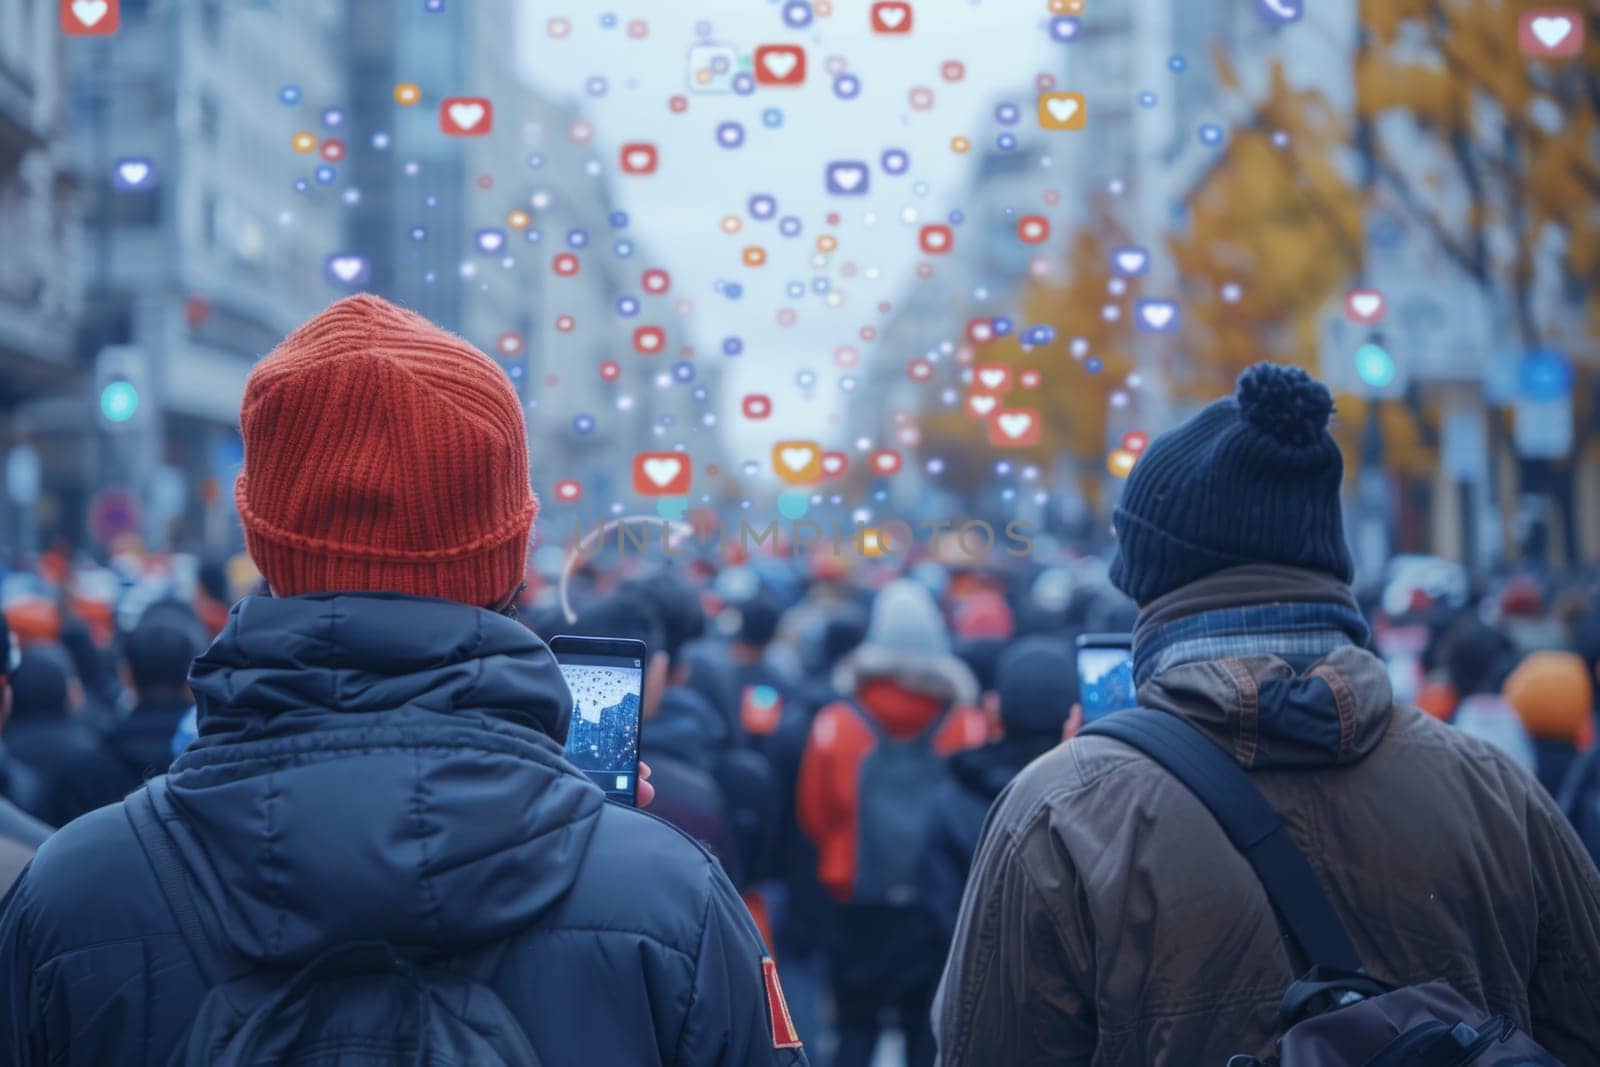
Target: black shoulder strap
<point>1251,824</point>
<point>169,870</point>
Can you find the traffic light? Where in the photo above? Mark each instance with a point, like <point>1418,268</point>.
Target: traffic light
<point>120,376</point>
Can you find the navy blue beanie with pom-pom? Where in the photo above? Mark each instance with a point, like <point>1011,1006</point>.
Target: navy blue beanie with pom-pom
<point>1252,478</point>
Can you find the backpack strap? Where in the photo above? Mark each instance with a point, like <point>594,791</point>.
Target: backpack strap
<point>1255,829</point>
<point>174,879</point>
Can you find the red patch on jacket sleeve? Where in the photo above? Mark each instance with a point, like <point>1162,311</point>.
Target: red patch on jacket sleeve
<point>783,1032</point>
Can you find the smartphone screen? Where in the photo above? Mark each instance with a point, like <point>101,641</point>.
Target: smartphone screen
<point>1105,675</point>
<point>606,678</point>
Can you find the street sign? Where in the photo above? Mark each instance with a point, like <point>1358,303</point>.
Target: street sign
<point>112,513</point>
<point>1544,423</point>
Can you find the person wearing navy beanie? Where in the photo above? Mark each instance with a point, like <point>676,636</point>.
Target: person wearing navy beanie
<point>1109,917</point>
<point>1249,479</point>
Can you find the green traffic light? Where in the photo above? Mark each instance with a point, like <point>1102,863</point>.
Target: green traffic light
<point>1374,366</point>
<point>119,401</point>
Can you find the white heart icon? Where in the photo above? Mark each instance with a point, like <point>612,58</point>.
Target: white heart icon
<point>832,464</point>
<point>345,268</point>
<point>1131,262</point>
<point>89,12</point>
<point>891,15</point>
<point>982,333</point>
<point>649,340</point>
<point>1061,108</point>
<point>935,239</point>
<point>848,178</point>
<point>465,116</point>
<point>779,64</point>
<point>981,405</point>
<point>886,462</point>
<point>1157,315</point>
<point>1366,305</point>
<point>796,459</point>
<point>491,242</point>
<point>662,469</point>
<point>133,173</point>
<point>992,378</point>
<point>638,159</point>
<point>1551,29</point>
<point>567,489</point>
<point>1032,229</point>
<point>1014,423</point>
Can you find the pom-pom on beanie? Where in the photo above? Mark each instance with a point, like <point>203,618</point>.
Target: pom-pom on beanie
<point>1252,478</point>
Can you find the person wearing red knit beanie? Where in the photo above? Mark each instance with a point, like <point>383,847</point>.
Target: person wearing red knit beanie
<point>376,849</point>
<point>383,453</point>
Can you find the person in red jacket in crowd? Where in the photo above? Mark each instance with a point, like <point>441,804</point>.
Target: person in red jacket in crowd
<point>867,778</point>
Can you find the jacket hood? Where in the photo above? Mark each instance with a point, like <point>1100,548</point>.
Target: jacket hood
<point>932,674</point>
<point>1268,714</point>
<point>377,767</point>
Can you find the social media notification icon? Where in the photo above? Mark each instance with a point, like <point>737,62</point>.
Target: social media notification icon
<point>1280,12</point>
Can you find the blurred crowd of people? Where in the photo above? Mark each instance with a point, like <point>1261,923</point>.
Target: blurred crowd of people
<point>834,730</point>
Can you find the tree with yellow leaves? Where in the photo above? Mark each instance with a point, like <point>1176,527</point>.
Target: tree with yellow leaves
<point>1074,393</point>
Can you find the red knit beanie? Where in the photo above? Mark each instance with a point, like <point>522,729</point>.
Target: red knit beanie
<point>384,454</point>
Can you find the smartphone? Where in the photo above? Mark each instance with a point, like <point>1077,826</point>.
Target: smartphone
<point>606,677</point>
<point>1105,674</point>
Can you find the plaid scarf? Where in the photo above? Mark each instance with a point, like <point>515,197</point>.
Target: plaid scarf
<point>1298,629</point>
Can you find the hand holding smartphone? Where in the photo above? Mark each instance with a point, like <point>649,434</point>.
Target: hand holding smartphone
<point>1105,674</point>
<point>606,677</point>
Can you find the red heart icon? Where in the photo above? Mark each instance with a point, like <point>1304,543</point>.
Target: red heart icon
<point>1365,306</point>
<point>1033,229</point>
<point>756,406</point>
<point>780,64</point>
<point>649,340</point>
<point>982,405</point>
<point>610,370</point>
<point>834,464</point>
<point>891,16</point>
<point>1028,379</point>
<point>991,378</point>
<point>919,370</point>
<point>565,265</point>
<point>568,490</point>
<point>90,18</point>
<point>466,116</point>
<point>655,280</point>
<point>333,150</point>
<point>1014,428</point>
<point>885,461</point>
<point>1135,441</point>
<point>638,157</point>
<point>937,239</point>
<point>509,344</point>
<point>980,331</point>
<point>661,473</point>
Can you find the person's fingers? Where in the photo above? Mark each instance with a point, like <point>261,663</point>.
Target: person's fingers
<point>1073,724</point>
<point>644,792</point>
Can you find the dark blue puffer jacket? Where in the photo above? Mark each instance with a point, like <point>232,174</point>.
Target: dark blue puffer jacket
<point>385,767</point>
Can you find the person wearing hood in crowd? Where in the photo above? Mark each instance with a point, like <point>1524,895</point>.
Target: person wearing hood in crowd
<point>1110,918</point>
<point>20,833</point>
<point>871,767</point>
<point>44,733</point>
<point>1034,701</point>
<point>155,664</point>
<point>376,848</point>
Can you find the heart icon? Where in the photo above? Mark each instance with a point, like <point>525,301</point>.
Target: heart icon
<point>757,406</point>
<point>1551,29</point>
<point>834,463</point>
<point>1014,423</point>
<point>1365,306</point>
<point>796,459</point>
<point>407,93</point>
<point>1061,111</point>
<point>1158,316</point>
<point>133,171</point>
<point>466,116</point>
<point>919,370</point>
<point>981,404</point>
<point>847,178</point>
<point>567,491</point>
<point>89,12</point>
<point>648,340</point>
<point>1061,108</point>
<point>655,280</point>
<point>1029,379</point>
<point>891,17</point>
<point>780,64</point>
<point>347,268</point>
<point>936,239</point>
<point>491,241</point>
<point>1131,261</point>
<point>886,461</point>
<point>639,157</point>
<point>661,470</point>
<point>1033,228</point>
<point>993,379</point>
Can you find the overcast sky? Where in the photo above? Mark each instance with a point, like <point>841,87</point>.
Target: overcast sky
<point>1002,44</point>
